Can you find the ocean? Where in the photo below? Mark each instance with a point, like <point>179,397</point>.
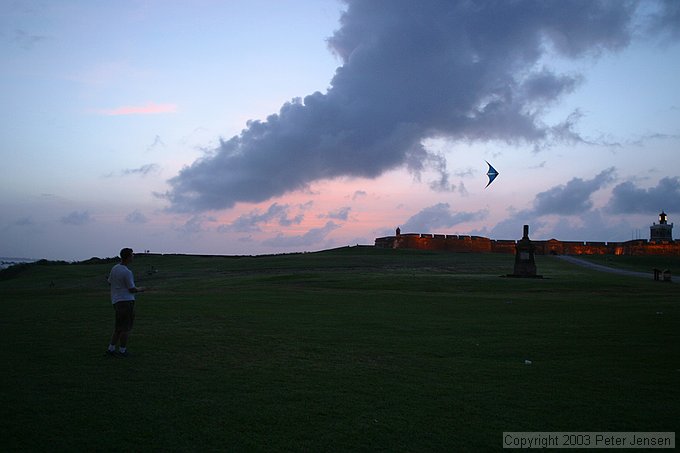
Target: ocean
<point>6,262</point>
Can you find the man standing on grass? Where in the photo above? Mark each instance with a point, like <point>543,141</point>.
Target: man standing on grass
<point>123,291</point>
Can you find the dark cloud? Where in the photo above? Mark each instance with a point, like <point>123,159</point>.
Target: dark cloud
<point>545,86</point>
<point>578,220</point>
<point>194,225</point>
<point>442,184</point>
<point>573,197</point>
<point>597,225</point>
<point>358,194</point>
<point>136,217</point>
<point>27,40</point>
<point>411,70</point>
<point>593,225</point>
<point>339,214</point>
<point>77,218</point>
<point>667,18</point>
<point>437,218</point>
<point>158,143</point>
<point>313,237</point>
<point>288,221</point>
<point>24,221</point>
<point>642,140</point>
<point>462,190</point>
<point>627,198</point>
<point>142,171</point>
<point>565,131</point>
<point>511,227</point>
<point>251,221</point>
<point>469,172</point>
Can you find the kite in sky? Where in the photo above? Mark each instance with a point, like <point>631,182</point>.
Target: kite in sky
<point>492,173</point>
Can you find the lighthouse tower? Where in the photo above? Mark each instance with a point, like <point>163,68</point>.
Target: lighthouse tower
<point>661,232</point>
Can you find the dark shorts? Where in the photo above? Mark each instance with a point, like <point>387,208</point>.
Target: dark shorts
<point>125,315</point>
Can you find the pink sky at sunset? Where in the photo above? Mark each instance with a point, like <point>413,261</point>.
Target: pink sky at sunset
<point>149,108</point>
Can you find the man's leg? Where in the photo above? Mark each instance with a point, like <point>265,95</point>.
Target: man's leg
<point>124,339</point>
<point>126,326</point>
<point>110,351</point>
<point>114,338</point>
<point>122,326</point>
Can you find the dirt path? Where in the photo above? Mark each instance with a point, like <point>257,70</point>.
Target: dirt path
<point>599,267</point>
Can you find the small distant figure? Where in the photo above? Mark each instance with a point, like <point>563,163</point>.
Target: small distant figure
<point>667,275</point>
<point>123,292</point>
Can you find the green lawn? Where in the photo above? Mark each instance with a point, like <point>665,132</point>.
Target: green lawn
<point>354,349</point>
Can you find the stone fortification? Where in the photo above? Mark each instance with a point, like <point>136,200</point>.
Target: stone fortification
<point>479,244</point>
<point>660,243</point>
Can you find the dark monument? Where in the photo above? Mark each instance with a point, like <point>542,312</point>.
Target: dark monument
<point>525,264</point>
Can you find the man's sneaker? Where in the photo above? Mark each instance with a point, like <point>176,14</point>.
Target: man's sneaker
<point>124,355</point>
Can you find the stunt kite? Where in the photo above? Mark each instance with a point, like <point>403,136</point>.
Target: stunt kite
<point>492,173</point>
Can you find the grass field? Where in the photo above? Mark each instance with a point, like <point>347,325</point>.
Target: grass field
<point>354,349</point>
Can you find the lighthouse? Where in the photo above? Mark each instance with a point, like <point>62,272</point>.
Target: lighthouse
<point>661,232</point>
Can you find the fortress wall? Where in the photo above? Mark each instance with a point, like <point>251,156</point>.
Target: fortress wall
<point>450,243</point>
<point>412,241</point>
<point>586,248</point>
<point>478,244</point>
<point>671,249</point>
<point>470,244</point>
<point>386,242</point>
<point>503,246</point>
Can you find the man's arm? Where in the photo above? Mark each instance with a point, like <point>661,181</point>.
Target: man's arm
<point>132,288</point>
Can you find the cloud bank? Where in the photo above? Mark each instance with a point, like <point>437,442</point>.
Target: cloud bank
<point>310,238</point>
<point>136,217</point>
<point>469,71</point>
<point>573,197</point>
<point>77,218</point>
<point>143,170</point>
<point>439,218</point>
<point>579,218</point>
<point>627,198</point>
<point>250,222</point>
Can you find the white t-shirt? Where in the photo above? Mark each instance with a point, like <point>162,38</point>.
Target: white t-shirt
<point>121,281</point>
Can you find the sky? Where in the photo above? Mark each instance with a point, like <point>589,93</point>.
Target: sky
<point>275,126</point>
